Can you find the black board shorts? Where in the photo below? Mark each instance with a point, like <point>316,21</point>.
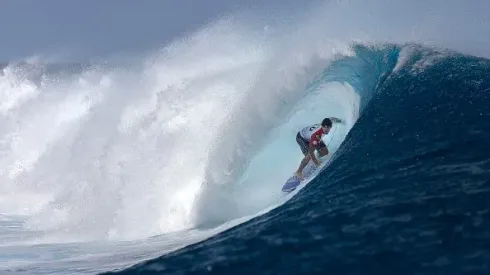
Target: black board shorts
<point>304,144</point>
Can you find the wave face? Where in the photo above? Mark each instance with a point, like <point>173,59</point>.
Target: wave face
<point>174,160</point>
<point>407,192</point>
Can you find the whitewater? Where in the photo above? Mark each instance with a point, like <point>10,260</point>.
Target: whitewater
<point>105,165</point>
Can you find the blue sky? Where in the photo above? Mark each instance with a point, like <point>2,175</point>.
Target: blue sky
<point>92,28</point>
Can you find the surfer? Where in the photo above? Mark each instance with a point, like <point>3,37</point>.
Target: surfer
<point>310,138</point>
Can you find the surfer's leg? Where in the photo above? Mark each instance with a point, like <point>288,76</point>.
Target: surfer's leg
<point>303,145</point>
<point>304,162</point>
<point>322,149</point>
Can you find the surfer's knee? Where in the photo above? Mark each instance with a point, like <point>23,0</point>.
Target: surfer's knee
<point>305,160</point>
<point>324,151</point>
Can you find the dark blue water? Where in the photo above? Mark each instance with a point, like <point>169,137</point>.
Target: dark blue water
<point>408,192</point>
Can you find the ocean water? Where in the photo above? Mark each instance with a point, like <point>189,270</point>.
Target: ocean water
<point>174,164</point>
<point>407,194</point>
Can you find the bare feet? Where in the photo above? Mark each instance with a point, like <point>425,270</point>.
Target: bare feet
<point>299,175</point>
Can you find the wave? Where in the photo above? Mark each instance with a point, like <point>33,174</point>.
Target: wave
<point>198,137</point>
<point>409,180</point>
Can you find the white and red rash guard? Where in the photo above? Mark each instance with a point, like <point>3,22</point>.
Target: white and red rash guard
<point>312,134</point>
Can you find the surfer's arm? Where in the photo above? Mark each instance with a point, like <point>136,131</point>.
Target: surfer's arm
<point>335,119</point>
<point>311,152</point>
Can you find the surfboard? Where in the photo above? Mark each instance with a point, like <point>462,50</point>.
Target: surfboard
<point>293,182</point>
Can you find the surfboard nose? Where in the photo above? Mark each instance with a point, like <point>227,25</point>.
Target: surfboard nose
<point>291,184</point>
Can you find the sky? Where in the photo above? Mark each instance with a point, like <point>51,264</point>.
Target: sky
<point>91,28</point>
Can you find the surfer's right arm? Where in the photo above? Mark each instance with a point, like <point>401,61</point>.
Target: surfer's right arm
<point>311,152</point>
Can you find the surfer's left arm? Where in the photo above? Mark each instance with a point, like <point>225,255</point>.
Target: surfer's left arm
<point>336,120</point>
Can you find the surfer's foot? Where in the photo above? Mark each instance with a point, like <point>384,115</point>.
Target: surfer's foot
<point>299,175</point>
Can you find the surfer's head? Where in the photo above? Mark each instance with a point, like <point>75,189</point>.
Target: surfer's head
<point>326,125</point>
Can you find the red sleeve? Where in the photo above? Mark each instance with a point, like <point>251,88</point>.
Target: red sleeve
<point>316,137</point>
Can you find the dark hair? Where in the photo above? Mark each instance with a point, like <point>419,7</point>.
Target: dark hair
<point>327,122</point>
